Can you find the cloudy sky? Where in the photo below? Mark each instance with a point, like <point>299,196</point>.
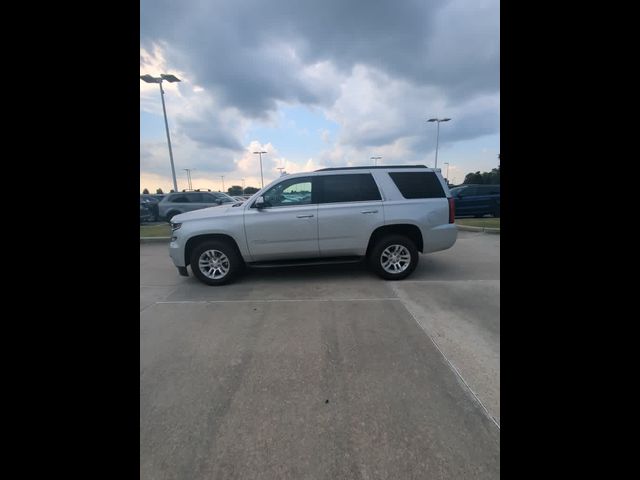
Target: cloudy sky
<point>317,84</point>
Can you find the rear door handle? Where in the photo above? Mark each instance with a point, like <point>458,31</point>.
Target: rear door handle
<point>305,216</point>
<point>369,211</point>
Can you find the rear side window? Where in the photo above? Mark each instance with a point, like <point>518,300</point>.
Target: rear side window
<point>194,197</point>
<point>418,184</point>
<point>348,188</point>
<point>179,199</point>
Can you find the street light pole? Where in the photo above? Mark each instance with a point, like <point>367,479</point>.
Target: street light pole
<point>243,186</point>
<point>188,170</point>
<point>261,177</point>
<point>375,160</point>
<point>222,176</point>
<point>171,79</point>
<point>438,120</point>
<point>280,168</point>
<point>447,164</point>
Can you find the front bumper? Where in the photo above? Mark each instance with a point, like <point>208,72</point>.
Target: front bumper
<point>176,251</point>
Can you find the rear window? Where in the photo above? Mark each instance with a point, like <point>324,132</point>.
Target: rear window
<point>359,187</point>
<point>418,184</point>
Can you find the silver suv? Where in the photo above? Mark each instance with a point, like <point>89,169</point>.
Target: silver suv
<point>181,202</point>
<point>385,215</point>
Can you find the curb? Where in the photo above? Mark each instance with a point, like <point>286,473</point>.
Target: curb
<point>155,239</point>
<point>466,228</point>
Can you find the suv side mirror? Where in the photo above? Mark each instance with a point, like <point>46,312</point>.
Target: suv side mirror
<point>259,203</point>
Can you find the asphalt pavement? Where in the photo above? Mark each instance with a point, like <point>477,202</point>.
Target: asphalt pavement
<point>323,372</point>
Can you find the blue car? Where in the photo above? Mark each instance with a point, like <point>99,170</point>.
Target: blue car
<point>477,200</point>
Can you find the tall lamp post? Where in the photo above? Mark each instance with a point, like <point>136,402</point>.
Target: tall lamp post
<point>171,79</point>
<point>243,186</point>
<point>375,159</point>
<point>189,170</point>
<point>222,177</point>
<point>261,177</point>
<point>438,120</point>
<point>447,164</point>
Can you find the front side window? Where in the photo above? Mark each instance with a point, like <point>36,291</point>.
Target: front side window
<point>292,192</point>
<point>360,187</point>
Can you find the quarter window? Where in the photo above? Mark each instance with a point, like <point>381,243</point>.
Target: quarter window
<point>418,184</point>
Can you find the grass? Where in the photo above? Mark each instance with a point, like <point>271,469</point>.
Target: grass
<point>162,230</point>
<point>479,222</point>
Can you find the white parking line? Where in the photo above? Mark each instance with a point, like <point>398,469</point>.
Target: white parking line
<point>275,300</point>
<point>473,394</point>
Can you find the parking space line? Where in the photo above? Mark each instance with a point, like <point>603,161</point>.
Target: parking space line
<point>457,372</point>
<point>276,300</point>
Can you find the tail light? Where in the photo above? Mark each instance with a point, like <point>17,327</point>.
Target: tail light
<point>452,210</point>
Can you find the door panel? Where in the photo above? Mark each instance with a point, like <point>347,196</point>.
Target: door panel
<point>282,232</point>
<point>345,228</point>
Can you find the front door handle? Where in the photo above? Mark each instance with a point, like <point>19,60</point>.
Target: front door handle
<point>369,211</point>
<point>305,216</point>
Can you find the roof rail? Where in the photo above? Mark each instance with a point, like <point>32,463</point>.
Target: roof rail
<point>370,168</point>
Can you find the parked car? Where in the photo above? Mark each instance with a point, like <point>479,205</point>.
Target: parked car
<point>239,198</point>
<point>177,203</point>
<point>386,215</point>
<point>477,200</point>
<point>146,213</point>
<point>153,200</point>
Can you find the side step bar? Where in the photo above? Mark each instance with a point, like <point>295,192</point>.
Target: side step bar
<point>305,262</point>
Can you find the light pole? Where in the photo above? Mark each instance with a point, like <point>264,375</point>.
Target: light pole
<point>171,79</point>
<point>376,160</point>
<point>243,186</point>
<point>447,164</point>
<point>261,177</point>
<point>222,176</point>
<point>280,168</point>
<point>188,170</point>
<point>438,133</point>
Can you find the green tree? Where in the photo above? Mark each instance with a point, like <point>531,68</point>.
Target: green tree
<point>234,190</point>
<point>145,191</point>
<point>159,191</point>
<point>473,178</point>
<point>250,190</point>
<point>484,178</point>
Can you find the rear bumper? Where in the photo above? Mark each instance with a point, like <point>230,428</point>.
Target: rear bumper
<point>440,238</point>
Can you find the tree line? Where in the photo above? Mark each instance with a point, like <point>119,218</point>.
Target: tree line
<point>484,178</point>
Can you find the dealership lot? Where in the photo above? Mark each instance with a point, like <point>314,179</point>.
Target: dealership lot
<point>323,372</point>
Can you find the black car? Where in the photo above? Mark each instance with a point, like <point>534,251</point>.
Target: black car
<point>146,212</point>
<point>152,200</point>
<point>477,200</point>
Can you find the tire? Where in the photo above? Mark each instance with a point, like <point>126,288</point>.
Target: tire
<point>380,249</point>
<point>217,256</point>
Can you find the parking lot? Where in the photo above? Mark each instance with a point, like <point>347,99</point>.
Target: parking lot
<point>323,372</point>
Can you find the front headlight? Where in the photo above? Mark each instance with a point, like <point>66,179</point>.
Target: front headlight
<point>175,226</point>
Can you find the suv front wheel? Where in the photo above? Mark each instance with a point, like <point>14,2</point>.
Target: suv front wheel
<point>215,262</point>
<point>393,257</point>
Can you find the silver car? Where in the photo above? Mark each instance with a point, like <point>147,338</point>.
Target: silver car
<point>386,216</point>
<point>177,203</point>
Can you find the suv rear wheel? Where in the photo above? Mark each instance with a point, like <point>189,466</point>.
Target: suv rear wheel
<point>215,262</point>
<point>393,257</point>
